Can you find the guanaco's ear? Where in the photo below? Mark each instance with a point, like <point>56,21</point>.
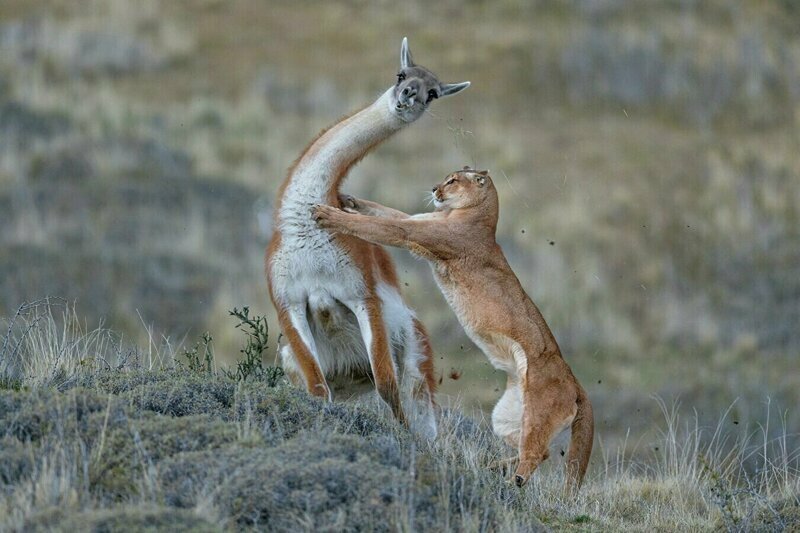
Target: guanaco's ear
<point>405,55</point>
<point>453,88</point>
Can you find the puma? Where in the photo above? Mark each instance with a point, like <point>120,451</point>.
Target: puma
<point>542,396</point>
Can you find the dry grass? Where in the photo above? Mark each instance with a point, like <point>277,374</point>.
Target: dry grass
<point>97,453</point>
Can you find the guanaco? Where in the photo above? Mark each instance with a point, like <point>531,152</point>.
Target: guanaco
<point>338,297</point>
<point>542,396</point>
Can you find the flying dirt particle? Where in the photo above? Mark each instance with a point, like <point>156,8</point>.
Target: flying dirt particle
<point>441,378</point>
<point>462,346</point>
<point>497,390</point>
<point>599,381</point>
<point>656,448</point>
<point>552,243</point>
<point>522,231</point>
<point>562,453</point>
<point>736,422</point>
<point>455,374</point>
<point>405,283</point>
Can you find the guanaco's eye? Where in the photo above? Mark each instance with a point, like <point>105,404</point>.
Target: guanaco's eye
<point>432,95</point>
<point>401,76</point>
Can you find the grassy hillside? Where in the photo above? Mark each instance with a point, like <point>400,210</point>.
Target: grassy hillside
<point>646,155</point>
<point>97,437</point>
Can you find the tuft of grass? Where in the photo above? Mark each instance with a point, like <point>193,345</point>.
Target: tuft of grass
<point>200,358</point>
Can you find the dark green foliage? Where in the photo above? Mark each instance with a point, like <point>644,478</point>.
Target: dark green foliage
<point>780,516</point>
<point>256,332</point>
<point>16,461</point>
<point>119,382</point>
<point>189,394</point>
<point>9,383</point>
<point>131,445</point>
<point>287,411</point>
<point>270,457</point>
<point>331,480</point>
<point>33,415</point>
<point>200,358</point>
<point>125,518</point>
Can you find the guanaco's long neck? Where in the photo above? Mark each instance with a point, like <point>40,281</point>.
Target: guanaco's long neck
<point>322,168</point>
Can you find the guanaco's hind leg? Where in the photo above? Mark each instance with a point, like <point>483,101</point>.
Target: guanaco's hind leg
<point>419,353</point>
<point>294,325</point>
<point>549,407</point>
<point>373,332</point>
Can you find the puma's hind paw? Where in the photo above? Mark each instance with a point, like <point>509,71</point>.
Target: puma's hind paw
<point>348,203</point>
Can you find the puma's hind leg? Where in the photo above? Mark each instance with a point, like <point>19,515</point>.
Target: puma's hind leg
<point>549,406</point>
<point>507,415</point>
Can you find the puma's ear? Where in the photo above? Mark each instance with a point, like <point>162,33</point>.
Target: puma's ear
<point>481,179</point>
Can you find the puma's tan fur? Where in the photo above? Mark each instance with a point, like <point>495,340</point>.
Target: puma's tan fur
<point>542,396</point>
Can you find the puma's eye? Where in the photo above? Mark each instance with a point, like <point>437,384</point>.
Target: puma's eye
<point>450,181</point>
<point>401,76</point>
<point>432,95</point>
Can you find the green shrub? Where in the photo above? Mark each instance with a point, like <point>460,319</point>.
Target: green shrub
<point>314,480</point>
<point>30,416</point>
<point>128,518</point>
<point>16,461</point>
<point>129,447</point>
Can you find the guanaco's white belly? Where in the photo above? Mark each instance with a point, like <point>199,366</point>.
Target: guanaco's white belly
<point>310,270</point>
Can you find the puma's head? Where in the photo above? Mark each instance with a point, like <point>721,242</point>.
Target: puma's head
<point>464,188</point>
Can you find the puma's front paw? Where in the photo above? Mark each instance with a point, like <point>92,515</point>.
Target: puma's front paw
<point>324,215</point>
<point>348,203</point>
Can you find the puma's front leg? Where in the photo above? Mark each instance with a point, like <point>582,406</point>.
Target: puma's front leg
<point>374,229</point>
<point>351,204</point>
<point>422,237</point>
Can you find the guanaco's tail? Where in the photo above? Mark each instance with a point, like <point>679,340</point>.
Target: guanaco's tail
<point>580,447</point>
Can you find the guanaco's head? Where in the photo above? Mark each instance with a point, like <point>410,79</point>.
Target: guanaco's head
<point>465,188</point>
<point>417,87</point>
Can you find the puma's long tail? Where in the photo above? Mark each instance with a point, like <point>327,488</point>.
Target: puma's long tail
<point>580,447</point>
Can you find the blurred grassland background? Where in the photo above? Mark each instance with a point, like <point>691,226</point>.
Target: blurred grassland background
<point>647,155</point>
